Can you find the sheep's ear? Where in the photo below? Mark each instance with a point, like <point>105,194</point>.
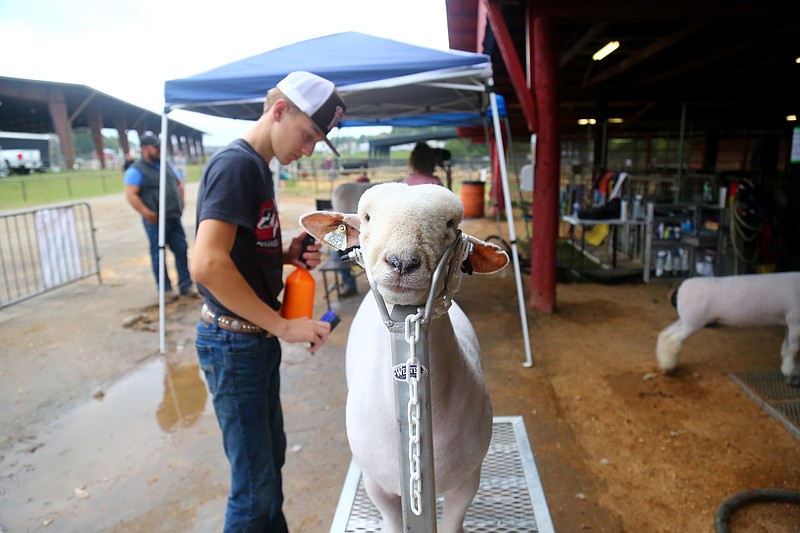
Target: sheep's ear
<point>320,224</point>
<point>486,258</point>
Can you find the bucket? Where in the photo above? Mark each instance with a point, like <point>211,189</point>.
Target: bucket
<point>472,196</point>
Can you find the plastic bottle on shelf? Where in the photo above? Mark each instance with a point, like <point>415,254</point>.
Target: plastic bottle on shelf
<point>708,266</point>
<point>668,263</point>
<point>636,211</point>
<point>660,256</point>
<point>684,254</point>
<point>706,192</point>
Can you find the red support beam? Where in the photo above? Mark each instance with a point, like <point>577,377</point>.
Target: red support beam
<point>57,105</point>
<point>512,62</point>
<point>96,126</point>
<point>122,133</point>
<point>546,64</point>
<point>496,188</point>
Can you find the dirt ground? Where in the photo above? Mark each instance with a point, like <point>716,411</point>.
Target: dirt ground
<point>101,432</point>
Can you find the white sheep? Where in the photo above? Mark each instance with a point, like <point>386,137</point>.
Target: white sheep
<point>403,231</point>
<point>741,301</point>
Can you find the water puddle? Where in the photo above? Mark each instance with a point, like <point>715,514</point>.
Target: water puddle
<point>118,435</point>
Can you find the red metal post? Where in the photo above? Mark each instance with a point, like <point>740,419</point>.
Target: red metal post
<point>546,60</point>
<point>512,62</point>
<point>496,189</point>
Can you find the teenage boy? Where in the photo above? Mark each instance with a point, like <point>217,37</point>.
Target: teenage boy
<point>238,264</point>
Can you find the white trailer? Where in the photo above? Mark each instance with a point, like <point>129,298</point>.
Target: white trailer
<point>48,145</point>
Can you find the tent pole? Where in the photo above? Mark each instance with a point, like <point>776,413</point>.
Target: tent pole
<point>162,229</point>
<point>498,135</point>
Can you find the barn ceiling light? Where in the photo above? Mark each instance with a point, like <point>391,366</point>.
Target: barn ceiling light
<point>791,118</point>
<point>607,49</point>
<point>615,120</point>
<point>586,121</point>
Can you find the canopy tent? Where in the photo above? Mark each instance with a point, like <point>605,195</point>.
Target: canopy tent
<point>381,80</point>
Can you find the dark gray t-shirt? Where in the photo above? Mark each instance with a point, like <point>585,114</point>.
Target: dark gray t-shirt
<point>237,188</point>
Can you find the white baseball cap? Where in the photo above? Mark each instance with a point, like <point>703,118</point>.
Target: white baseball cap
<point>316,97</point>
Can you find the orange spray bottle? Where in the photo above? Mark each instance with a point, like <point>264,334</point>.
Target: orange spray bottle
<point>298,294</point>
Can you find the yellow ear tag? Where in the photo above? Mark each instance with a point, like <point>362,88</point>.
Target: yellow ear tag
<point>337,238</point>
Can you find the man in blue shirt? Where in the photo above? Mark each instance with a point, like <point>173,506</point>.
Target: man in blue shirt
<point>142,191</point>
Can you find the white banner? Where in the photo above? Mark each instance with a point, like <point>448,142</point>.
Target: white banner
<point>57,239</point>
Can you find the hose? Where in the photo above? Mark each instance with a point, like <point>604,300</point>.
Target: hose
<point>739,233</point>
<point>725,511</point>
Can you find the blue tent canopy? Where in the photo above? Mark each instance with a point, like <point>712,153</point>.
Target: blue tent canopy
<point>435,119</point>
<point>380,79</point>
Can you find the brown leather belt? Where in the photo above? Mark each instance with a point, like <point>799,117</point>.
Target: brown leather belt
<point>231,323</point>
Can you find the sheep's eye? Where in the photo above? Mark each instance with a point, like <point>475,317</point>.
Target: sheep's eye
<point>366,217</point>
<point>451,223</point>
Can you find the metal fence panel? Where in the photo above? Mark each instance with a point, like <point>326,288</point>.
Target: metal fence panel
<point>46,248</point>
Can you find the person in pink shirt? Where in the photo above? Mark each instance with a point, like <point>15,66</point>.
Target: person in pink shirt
<point>422,162</point>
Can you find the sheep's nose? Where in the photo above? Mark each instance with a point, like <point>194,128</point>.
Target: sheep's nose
<point>403,265</point>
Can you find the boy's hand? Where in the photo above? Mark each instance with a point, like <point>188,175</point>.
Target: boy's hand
<point>305,251</point>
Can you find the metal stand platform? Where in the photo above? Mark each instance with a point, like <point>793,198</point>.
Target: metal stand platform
<point>770,390</point>
<point>510,498</point>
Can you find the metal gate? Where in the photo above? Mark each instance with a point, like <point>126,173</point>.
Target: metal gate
<point>44,249</point>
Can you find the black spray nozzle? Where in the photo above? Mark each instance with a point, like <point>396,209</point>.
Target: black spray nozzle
<point>307,241</point>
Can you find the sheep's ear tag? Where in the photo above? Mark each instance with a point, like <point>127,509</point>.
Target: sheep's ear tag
<point>337,238</point>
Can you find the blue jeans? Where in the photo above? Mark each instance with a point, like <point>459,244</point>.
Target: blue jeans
<point>175,238</point>
<point>242,371</point>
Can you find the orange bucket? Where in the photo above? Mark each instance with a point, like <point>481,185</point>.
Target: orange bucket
<point>472,196</point>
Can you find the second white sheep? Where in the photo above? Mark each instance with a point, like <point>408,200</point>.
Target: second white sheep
<point>740,301</point>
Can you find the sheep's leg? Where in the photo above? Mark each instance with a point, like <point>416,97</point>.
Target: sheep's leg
<point>668,347</point>
<point>457,502</point>
<point>790,365</point>
<point>389,505</point>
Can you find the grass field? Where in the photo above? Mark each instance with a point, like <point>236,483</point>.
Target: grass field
<point>19,192</point>
<point>49,188</point>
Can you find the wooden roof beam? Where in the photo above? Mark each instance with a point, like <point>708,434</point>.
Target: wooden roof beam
<point>648,52</point>
<point>736,48</point>
<point>583,42</point>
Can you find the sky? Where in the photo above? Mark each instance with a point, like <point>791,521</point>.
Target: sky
<point>129,49</point>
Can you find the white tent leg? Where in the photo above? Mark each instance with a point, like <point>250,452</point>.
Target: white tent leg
<point>498,134</point>
<point>162,213</point>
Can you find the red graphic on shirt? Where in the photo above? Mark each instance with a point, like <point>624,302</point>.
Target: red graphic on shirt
<point>268,228</point>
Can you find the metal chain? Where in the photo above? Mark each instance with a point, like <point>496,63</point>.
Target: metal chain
<point>414,452</point>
